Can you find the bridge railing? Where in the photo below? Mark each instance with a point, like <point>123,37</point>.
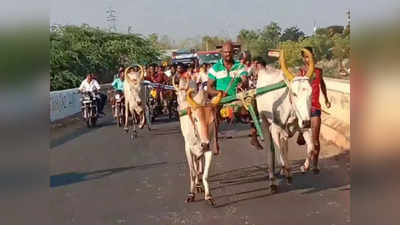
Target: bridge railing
<point>335,127</point>
<point>66,103</point>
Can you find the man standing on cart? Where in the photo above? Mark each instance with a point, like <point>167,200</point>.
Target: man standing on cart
<point>226,76</point>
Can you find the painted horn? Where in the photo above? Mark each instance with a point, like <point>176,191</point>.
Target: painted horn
<point>190,100</point>
<point>217,99</point>
<point>141,72</point>
<point>311,65</point>
<point>126,74</point>
<point>284,68</point>
<point>126,70</point>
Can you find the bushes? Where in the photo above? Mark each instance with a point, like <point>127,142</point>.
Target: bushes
<point>329,44</point>
<point>76,51</point>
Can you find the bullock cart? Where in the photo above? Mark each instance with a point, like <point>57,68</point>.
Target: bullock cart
<point>247,99</point>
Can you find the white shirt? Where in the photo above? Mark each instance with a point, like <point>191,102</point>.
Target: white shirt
<point>89,87</point>
<point>168,73</point>
<point>203,77</point>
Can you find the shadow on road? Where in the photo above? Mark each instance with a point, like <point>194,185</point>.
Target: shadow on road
<point>75,177</point>
<point>333,176</point>
<point>79,132</point>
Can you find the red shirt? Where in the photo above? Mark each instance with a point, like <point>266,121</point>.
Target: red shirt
<point>159,78</point>
<point>315,85</point>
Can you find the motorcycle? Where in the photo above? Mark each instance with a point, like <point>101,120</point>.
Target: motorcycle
<point>154,105</point>
<point>89,108</point>
<point>172,106</point>
<point>119,108</point>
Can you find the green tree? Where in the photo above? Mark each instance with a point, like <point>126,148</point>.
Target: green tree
<point>246,37</point>
<point>210,42</point>
<point>292,33</point>
<point>76,51</point>
<point>292,51</point>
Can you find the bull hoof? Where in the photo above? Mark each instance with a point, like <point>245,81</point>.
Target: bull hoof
<point>211,201</point>
<point>273,188</point>
<point>126,129</point>
<point>190,198</point>
<point>316,171</point>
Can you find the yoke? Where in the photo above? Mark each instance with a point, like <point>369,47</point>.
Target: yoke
<point>247,98</point>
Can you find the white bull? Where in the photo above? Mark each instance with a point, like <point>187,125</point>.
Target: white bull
<point>134,97</point>
<point>283,112</point>
<point>199,131</point>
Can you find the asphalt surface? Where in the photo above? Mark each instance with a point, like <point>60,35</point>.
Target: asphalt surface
<point>100,176</point>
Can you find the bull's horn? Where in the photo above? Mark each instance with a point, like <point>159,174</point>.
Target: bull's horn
<point>126,74</point>
<point>311,65</point>
<point>217,99</point>
<point>190,100</point>
<point>141,72</point>
<point>284,68</point>
<point>126,70</point>
<point>174,84</point>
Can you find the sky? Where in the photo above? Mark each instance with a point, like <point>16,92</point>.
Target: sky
<point>181,19</point>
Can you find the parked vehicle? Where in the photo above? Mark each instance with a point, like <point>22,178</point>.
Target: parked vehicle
<point>184,56</point>
<point>209,57</point>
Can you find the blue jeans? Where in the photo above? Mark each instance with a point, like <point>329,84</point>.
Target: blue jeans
<point>315,113</point>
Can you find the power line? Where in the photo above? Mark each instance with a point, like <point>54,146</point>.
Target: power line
<point>348,19</point>
<point>111,19</point>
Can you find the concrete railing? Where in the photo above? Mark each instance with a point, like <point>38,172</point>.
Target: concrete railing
<point>335,127</point>
<point>65,103</point>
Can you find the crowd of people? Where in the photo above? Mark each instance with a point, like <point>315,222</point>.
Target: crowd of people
<point>163,74</point>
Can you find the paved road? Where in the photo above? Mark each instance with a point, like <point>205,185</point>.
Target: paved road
<point>100,176</point>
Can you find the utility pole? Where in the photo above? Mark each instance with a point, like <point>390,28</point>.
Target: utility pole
<point>348,19</point>
<point>315,27</point>
<point>111,19</point>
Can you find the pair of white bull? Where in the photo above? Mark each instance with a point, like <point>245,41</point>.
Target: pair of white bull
<point>282,112</point>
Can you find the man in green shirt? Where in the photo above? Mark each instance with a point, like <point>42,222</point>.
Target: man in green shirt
<point>226,76</point>
<point>221,74</point>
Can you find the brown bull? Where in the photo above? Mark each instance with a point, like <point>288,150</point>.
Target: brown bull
<point>199,131</point>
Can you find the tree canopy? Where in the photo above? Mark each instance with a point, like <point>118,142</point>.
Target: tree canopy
<point>76,51</point>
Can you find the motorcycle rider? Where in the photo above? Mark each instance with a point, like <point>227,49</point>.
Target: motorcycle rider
<point>90,84</point>
<point>159,77</point>
<point>118,85</point>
